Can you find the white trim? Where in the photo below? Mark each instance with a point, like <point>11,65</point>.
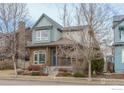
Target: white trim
<point>40,35</point>
<point>122,55</point>
<point>39,52</point>
<point>122,35</point>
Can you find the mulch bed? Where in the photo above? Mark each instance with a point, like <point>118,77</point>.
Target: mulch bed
<point>110,76</point>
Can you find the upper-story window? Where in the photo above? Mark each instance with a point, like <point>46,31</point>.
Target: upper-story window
<point>122,35</point>
<point>121,29</point>
<point>41,35</point>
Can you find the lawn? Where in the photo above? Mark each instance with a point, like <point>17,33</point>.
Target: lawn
<point>6,72</point>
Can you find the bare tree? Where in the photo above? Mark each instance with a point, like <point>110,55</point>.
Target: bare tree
<point>97,18</point>
<point>95,22</point>
<point>70,49</point>
<point>10,16</point>
<point>65,15</point>
<point>66,21</point>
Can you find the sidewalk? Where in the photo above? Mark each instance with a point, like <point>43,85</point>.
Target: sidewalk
<point>83,81</point>
<point>9,75</point>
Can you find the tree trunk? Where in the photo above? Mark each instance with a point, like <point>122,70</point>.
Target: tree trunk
<point>14,64</point>
<point>24,64</point>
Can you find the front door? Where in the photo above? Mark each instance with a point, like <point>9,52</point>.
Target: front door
<point>53,55</point>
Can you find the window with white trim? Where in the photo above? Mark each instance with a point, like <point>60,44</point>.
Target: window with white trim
<point>41,35</point>
<point>122,55</point>
<point>39,57</point>
<point>122,35</point>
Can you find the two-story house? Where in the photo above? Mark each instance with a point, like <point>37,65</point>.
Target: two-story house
<point>118,27</point>
<point>47,36</point>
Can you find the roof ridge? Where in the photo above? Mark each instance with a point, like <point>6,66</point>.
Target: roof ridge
<point>49,19</point>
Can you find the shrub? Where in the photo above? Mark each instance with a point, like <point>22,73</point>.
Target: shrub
<point>34,68</point>
<point>62,70</point>
<point>44,74</point>
<point>110,67</point>
<point>97,65</point>
<point>78,74</point>
<point>35,73</point>
<point>65,74</point>
<point>6,65</point>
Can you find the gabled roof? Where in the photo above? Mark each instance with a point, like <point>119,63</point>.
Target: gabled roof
<point>117,20</point>
<point>118,17</point>
<point>49,19</point>
<point>75,28</point>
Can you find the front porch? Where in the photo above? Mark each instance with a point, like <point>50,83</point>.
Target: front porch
<point>48,56</point>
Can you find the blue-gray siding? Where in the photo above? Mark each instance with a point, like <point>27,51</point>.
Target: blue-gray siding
<point>119,66</point>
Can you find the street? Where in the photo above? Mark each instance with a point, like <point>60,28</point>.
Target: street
<point>47,82</point>
<point>21,82</point>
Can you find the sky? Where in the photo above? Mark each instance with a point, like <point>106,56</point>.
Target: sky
<point>53,10</point>
<point>36,10</point>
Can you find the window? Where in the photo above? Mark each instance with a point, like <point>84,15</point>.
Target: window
<point>122,35</point>
<point>122,55</point>
<point>38,36</point>
<point>36,57</point>
<point>39,57</point>
<point>121,29</point>
<point>42,35</point>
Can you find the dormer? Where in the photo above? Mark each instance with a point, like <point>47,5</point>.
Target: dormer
<point>45,30</point>
<point>118,27</point>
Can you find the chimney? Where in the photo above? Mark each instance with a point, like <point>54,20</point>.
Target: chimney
<point>21,40</point>
<point>21,26</point>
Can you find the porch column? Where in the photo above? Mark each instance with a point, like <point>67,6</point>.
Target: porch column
<point>71,59</point>
<point>56,57</point>
<point>47,56</point>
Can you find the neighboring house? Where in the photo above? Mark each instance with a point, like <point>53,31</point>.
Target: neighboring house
<point>6,44</point>
<point>118,27</point>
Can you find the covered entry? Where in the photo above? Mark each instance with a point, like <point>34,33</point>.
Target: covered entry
<point>53,57</point>
<point>49,53</point>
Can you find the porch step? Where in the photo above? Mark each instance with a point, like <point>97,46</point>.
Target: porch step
<point>53,70</point>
